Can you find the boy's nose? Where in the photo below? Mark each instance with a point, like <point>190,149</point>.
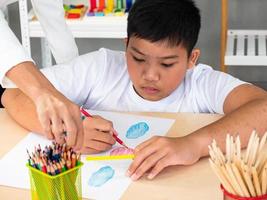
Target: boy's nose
<point>151,74</point>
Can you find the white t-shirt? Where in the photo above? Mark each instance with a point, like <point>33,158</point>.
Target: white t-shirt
<point>100,81</point>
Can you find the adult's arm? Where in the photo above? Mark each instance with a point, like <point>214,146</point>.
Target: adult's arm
<point>52,107</point>
<point>50,14</point>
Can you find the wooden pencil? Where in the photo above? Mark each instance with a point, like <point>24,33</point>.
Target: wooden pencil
<point>221,177</point>
<point>240,180</point>
<point>263,141</point>
<point>249,183</point>
<point>256,181</point>
<point>264,182</point>
<point>251,140</point>
<point>234,180</point>
<point>245,176</point>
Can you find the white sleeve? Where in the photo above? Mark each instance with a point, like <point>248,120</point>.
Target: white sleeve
<point>76,79</point>
<point>4,3</point>
<point>50,13</point>
<point>11,51</point>
<point>213,87</point>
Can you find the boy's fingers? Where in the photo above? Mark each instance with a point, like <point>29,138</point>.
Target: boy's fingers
<point>101,124</point>
<point>147,164</point>
<point>161,164</point>
<point>140,156</point>
<point>114,131</point>
<point>99,146</point>
<point>144,144</point>
<point>87,150</point>
<point>104,137</point>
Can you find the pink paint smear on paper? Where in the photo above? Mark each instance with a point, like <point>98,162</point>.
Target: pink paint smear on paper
<point>121,151</point>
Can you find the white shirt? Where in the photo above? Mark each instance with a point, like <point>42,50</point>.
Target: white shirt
<point>51,16</point>
<point>100,81</point>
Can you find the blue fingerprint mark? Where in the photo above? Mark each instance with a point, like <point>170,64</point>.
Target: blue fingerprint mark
<point>137,130</point>
<point>101,176</point>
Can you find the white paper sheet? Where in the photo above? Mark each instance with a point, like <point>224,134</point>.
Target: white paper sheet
<point>14,173</point>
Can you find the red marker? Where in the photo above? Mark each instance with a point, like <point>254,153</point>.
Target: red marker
<point>114,133</point>
<point>92,5</point>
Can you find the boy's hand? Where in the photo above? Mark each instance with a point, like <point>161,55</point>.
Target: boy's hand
<point>159,152</point>
<point>97,135</point>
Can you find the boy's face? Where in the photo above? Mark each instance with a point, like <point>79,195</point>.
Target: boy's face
<point>156,69</point>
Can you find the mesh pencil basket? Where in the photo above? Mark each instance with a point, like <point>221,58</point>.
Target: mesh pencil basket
<point>64,186</point>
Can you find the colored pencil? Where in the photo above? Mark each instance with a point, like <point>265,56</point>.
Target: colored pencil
<point>54,159</point>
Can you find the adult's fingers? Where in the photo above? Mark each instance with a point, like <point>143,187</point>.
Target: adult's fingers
<point>45,122</point>
<point>80,137</point>
<point>79,126</point>
<point>71,128</point>
<point>57,129</point>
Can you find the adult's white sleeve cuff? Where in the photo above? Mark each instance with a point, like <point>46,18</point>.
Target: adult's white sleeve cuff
<point>11,51</point>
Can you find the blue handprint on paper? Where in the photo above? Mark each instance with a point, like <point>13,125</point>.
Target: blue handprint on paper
<point>101,176</point>
<point>137,130</point>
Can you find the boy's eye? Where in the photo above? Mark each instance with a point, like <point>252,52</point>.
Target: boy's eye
<point>138,60</point>
<point>166,65</point>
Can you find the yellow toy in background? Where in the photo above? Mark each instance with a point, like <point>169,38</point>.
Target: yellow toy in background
<point>75,11</point>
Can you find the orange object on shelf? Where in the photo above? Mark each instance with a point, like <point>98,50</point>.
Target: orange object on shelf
<point>73,15</point>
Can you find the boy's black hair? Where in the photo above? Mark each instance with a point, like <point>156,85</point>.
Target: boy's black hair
<point>174,21</point>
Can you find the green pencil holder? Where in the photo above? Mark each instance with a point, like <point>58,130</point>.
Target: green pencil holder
<point>64,186</point>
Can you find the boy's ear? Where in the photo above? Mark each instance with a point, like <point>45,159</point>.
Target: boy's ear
<point>125,41</point>
<point>193,58</point>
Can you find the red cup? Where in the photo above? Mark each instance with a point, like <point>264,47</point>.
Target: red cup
<point>229,196</point>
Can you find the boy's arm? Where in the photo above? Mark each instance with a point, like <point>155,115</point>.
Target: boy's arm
<point>245,108</point>
<point>22,110</point>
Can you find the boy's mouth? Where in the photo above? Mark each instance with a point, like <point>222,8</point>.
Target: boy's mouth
<point>150,90</point>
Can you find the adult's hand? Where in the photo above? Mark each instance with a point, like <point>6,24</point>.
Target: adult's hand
<point>60,118</point>
<point>55,112</point>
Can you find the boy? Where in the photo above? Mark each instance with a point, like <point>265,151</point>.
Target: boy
<point>159,73</point>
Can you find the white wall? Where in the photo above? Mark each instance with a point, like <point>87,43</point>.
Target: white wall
<point>247,14</point>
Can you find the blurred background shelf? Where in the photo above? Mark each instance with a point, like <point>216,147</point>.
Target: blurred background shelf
<point>110,27</point>
<point>246,48</point>
<point>89,27</point>
<point>241,47</point>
